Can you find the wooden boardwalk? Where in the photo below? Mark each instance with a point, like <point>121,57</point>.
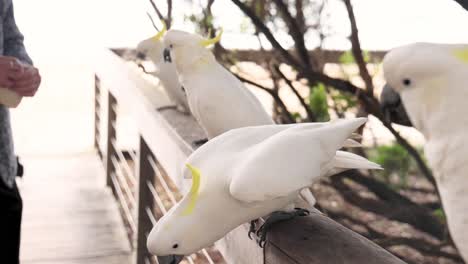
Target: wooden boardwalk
<point>69,215</point>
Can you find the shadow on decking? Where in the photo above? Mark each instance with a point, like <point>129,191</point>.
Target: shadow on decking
<point>69,216</point>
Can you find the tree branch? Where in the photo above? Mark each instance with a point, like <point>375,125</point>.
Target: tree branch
<point>295,32</point>
<point>208,13</point>
<point>273,94</point>
<point>370,103</point>
<point>169,14</point>
<point>300,16</point>
<point>266,31</point>
<point>327,56</point>
<point>414,153</point>
<point>310,114</point>
<point>152,21</point>
<point>160,15</point>
<point>463,3</point>
<point>356,49</point>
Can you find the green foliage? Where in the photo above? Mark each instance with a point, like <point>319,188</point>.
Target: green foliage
<point>201,22</point>
<point>348,58</point>
<point>209,21</point>
<point>343,101</point>
<point>394,159</point>
<point>439,213</point>
<point>192,18</point>
<point>259,8</point>
<point>296,116</point>
<point>318,102</point>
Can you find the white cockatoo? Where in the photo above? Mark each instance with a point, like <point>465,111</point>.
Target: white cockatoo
<point>239,176</point>
<point>431,81</point>
<point>217,99</point>
<point>165,71</point>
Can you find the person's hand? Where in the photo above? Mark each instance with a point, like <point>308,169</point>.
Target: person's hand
<point>9,67</point>
<point>26,81</point>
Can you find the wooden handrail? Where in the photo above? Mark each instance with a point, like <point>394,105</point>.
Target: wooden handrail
<point>168,136</point>
<point>259,57</point>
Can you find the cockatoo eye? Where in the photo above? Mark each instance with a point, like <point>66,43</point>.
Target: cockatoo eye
<point>171,46</point>
<point>406,82</point>
<point>175,245</point>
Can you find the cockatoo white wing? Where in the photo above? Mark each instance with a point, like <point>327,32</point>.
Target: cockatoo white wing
<point>168,75</point>
<point>236,140</point>
<point>232,142</point>
<point>272,168</point>
<point>252,99</point>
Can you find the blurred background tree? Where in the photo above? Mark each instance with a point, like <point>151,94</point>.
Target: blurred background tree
<point>398,208</point>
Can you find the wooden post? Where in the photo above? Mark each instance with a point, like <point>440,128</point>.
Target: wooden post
<point>145,200</point>
<point>97,116</point>
<point>110,151</point>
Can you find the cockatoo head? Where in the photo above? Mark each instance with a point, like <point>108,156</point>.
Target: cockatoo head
<point>418,76</point>
<point>152,47</point>
<point>182,230</point>
<point>186,48</point>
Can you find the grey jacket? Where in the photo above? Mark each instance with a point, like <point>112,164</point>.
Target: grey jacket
<point>11,44</point>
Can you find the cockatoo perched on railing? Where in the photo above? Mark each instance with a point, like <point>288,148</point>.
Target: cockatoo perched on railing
<point>152,48</point>
<point>431,81</point>
<point>218,100</point>
<point>240,176</point>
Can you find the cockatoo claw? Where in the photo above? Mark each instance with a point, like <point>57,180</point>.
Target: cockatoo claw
<point>199,142</point>
<point>275,217</point>
<point>253,225</point>
<point>302,212</point>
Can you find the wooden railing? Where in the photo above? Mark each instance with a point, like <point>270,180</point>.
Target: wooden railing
<point>260,56</point>
<point>145,180</point>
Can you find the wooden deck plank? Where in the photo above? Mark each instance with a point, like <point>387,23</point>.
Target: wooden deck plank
<point>70,217</point>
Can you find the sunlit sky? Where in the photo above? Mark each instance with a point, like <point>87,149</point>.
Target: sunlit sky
<point>65,28</point>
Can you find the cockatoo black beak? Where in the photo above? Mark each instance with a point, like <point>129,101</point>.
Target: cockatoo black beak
<point>393,107</point>
<point>167,55</point>
<point>171,259</point>
<point>141,55</point>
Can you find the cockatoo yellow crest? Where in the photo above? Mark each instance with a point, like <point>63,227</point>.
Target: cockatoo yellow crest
<point>216,39</point>
<point>193,193</point>
<point>161,33</point>
<point>462,54</point>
